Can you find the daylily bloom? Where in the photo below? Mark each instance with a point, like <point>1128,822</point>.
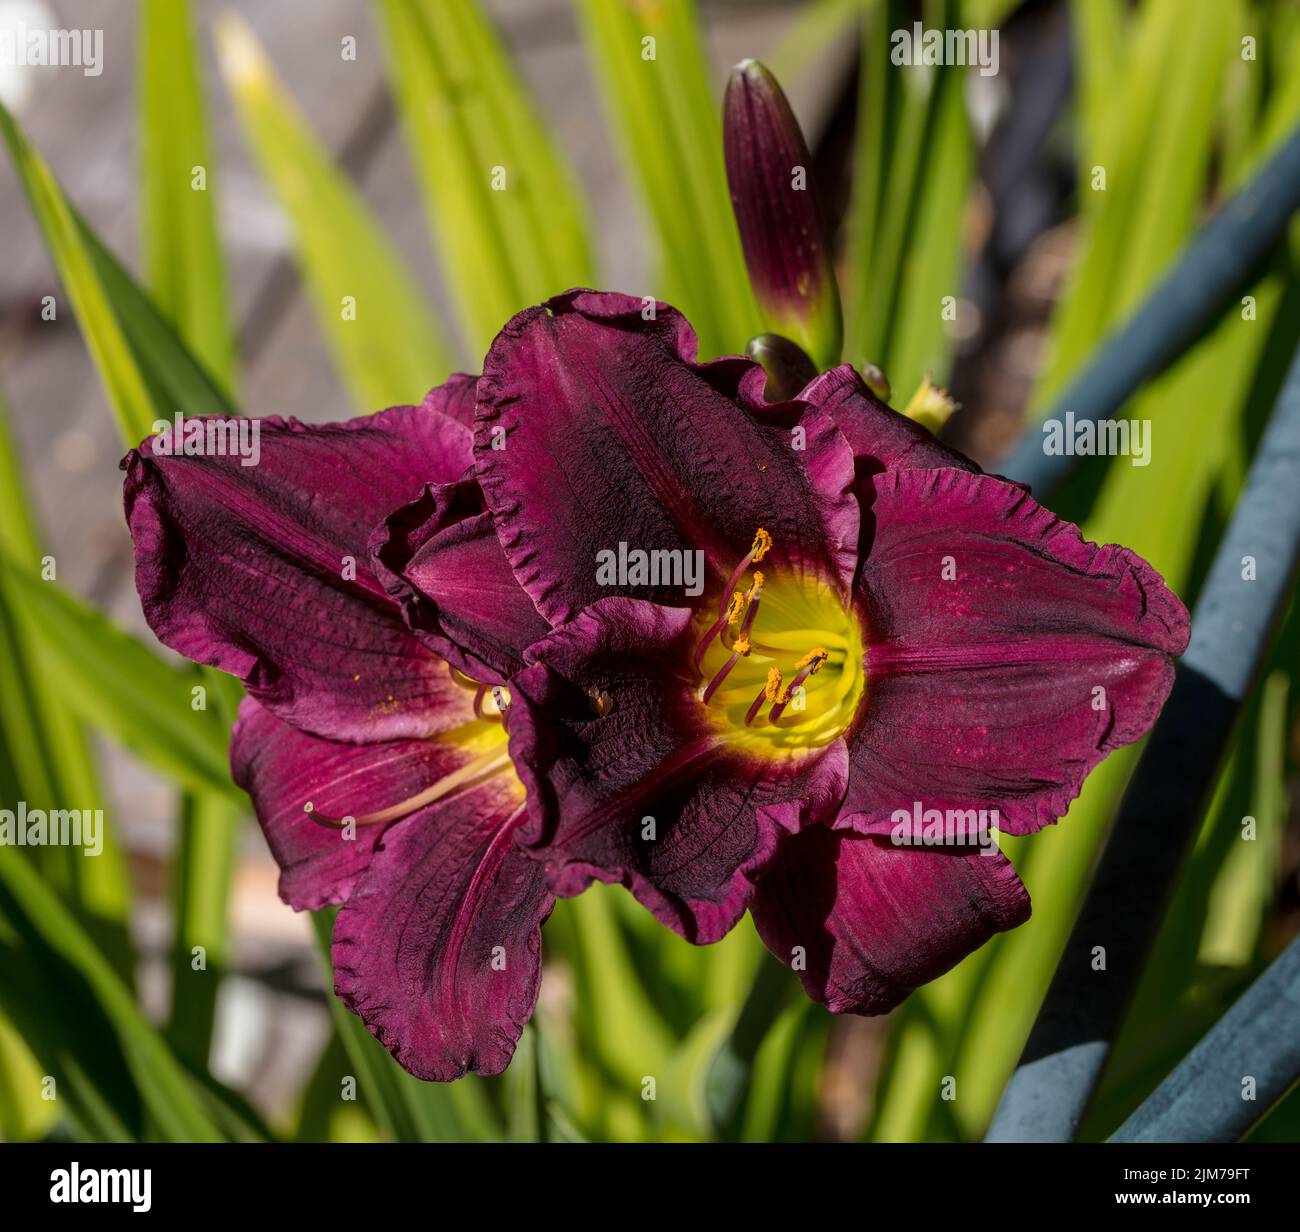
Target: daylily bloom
<point>378,771</point>
<point>884,629</point>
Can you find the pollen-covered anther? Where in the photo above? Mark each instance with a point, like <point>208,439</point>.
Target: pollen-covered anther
<point>735,607</point>
<point>807,666</point>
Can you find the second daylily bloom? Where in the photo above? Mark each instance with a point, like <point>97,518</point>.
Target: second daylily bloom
<point>379,772</point>
<point>884,629</point>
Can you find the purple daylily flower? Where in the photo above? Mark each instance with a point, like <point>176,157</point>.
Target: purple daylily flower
<point>881,624</point>
<point>884,628</point>
<point>379,772</point>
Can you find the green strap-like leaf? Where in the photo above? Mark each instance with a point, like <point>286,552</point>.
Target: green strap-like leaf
<point>387,345</point>
<point>124,688</point>
<point>507,220</point>
<point>179,238</point>
<point>668,128</point>
<point>165,1088</point>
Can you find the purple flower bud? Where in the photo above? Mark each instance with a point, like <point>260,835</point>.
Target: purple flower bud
<point>780,221</point>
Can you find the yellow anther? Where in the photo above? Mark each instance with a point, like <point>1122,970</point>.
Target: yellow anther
<point>762,542</point>
<point>773,686</point>
<point>735,606</point>
<point>816,658</point>
<point>759,579</point>
<point>742,645</point>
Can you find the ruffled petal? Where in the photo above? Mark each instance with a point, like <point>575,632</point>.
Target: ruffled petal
<point>629,783</point>
<point>441,560</point>
<point>596,427</point>
<point>455,398</point>
<point>881,438</point>
<point>263,570</point>
<point>282,769</point>
<point>439,947</point>
<point>1006,655</point>
<point>864,923</point>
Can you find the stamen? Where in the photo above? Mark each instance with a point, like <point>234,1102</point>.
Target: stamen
<point>762,544</point>
<point>808,666</point>
<point>486,764</point>
<point>738,602</point>
<point>731,605</point>
<point>766,694</point>
<point>723,672</point>
<point>753,595</point>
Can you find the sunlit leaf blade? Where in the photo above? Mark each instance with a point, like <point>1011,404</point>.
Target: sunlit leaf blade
<point>48,745</point>
<point>665,113</point>
<point>386,344</point>
<point>817,26</point>
<point>124,688</point>
<point>24,1115</point>
<point>506,216</point>
<point>164,1087</point>
<point>145,370</point>
<point>127,393</point>
<point>629,1035</point>
<point>185,269</point>
<point>404,1107</point>
<point>202,872</point>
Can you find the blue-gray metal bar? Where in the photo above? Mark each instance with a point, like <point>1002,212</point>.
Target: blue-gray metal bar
<point>1049,1091</point>
<point>1219,262</point>
<point>1244,1065</point>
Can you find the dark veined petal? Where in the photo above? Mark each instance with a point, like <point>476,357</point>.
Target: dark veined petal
<point>1006,655</point>
<point>439,946</point>
<point>881,438</point>
<point>263,570</point>
<point>441,559</point>
<point>283,769</point>
<point>455,398</point>
<point>781,225</point>
<point>628,783</point>
<point>597,427</point>
<point>865,923</point>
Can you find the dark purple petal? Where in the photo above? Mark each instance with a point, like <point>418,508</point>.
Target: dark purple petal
<point>871,922</point>
<point>782,228</point>
<point>607,431</point>
<point>1002,687</point>
<point>455,399</point>
<point>628,782</point>
<point>263,570</point>
<point>881,438</point>
<point>441,559</point>
<point>865,923</point>
<point>439,946</point>
<point>282,769</point>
